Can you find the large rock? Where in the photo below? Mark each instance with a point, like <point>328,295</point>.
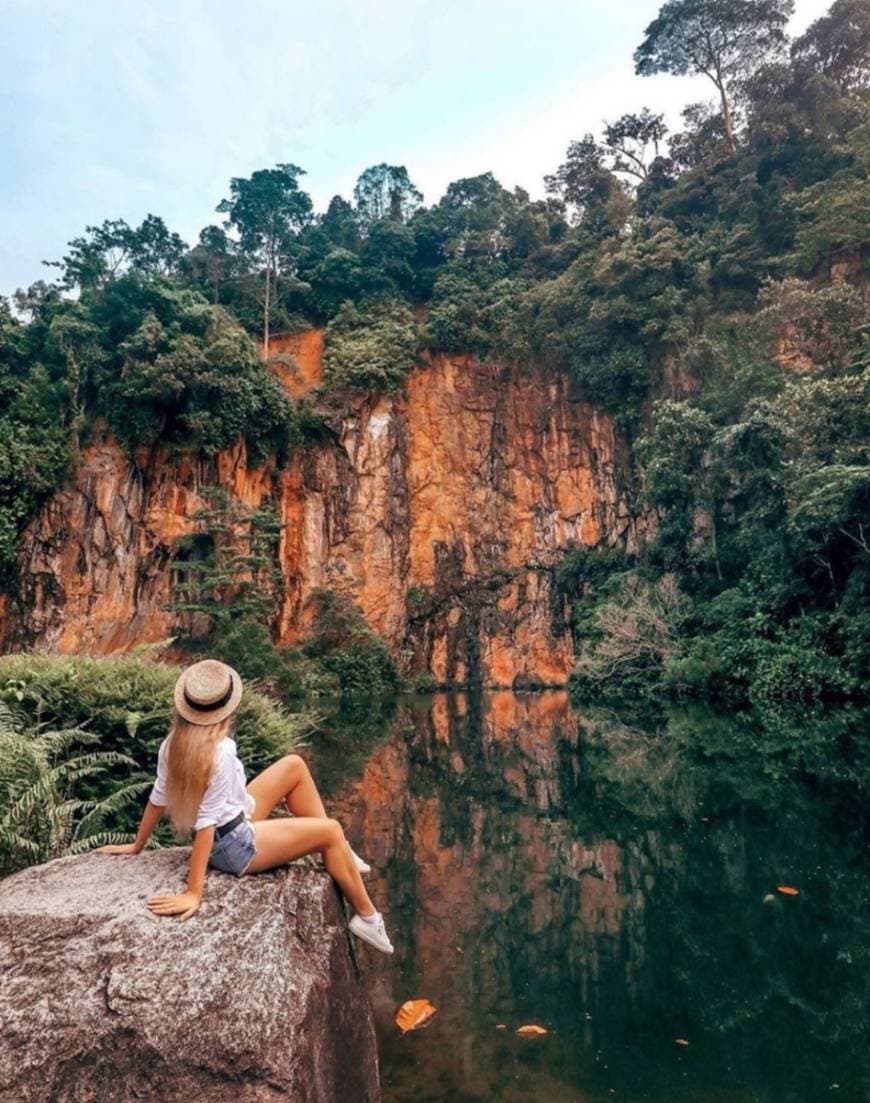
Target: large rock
<point>257,997</point>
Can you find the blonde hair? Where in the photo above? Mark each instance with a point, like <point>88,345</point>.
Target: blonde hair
<point>190,761</point>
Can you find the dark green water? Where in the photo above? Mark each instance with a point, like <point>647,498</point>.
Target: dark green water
<point>611,875</point>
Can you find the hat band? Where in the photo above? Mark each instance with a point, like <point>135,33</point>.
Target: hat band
<point>213,706</point>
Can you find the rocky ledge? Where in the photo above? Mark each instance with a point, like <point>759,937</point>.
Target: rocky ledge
<point>255,998</point>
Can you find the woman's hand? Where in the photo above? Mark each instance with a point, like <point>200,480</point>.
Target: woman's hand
<point>185,904</point>
<point>122,848</point>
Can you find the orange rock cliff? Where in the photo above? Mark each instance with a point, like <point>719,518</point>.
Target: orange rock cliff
<point>442,511</point>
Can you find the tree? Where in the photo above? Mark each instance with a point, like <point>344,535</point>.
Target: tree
<point>838,45</point>
<point>106,252</point>
<point>596,198</point>
<point>679,480</point>
<point>371,352</point>
<point>339,225</point>
<point>267,210</point>
<point>385,191</point>
<point>210,260</point>
<point>76,342</point>
<point>632,138</point>
<point>723,39</point>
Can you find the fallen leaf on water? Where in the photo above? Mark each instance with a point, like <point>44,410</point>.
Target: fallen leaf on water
<point>531,1028</point>
<point>414,1014</point>
<point>788,890</point>
<point>499,1026</point>
<point>681,1041</point>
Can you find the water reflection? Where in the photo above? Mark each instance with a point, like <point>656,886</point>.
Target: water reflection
<point>604,875</point>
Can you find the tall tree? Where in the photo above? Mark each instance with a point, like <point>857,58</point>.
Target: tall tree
<point>267,210</point>
<point>838,45</point>
<point>339,224</point>
<point>634,141</point>
<point>723,39</point>
<point>596,197</point>
<point>210,260</point>
<point>105,252</point>
<point>385,191</point>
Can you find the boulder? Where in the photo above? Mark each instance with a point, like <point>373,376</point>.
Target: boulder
<point>257,997</point>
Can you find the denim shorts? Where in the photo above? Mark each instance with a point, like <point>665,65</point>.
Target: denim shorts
<point>233,852</point>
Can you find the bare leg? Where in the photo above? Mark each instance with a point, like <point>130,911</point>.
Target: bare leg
<point>280,841</point>
<point>288,780</point>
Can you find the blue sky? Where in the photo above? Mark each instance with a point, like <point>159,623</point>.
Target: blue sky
<point>117,109</point>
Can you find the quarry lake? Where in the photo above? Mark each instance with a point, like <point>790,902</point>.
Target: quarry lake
<point>623,878</point>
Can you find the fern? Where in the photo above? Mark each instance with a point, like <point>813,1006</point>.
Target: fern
<point>42,816</point>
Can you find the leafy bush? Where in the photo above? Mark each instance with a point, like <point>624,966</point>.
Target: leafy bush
<point>342,640</point>
<point>42,815</point>
<point>635,630</point>
<point>126,705</point>
<point>471,315</point>
<point>370,351</point>
<point>185,372</point>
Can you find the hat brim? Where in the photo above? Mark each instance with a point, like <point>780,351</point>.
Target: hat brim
<point>205,717</point>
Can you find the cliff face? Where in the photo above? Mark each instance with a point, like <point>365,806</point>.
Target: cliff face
<point>441,511</point>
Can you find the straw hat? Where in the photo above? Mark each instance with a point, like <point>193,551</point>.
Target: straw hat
<point>207,692</point>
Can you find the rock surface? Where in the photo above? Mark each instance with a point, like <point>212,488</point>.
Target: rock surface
<point>255,998</point>
<point>442,511</point>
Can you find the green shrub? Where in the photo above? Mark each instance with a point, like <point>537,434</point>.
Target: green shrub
<point>248,646</point>
<point>371,351</point>
<point>417,597</point>
<point>127,704</point>
<point>424,682</point>
<point>187,373</point>
<point>44,779</point>
<point>346,647</point>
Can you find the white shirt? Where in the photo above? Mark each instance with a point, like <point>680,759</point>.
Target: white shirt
<point>226,794</point>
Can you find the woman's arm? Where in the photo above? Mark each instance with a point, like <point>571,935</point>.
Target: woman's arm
<point>150,818</point>
<point>186,903</point>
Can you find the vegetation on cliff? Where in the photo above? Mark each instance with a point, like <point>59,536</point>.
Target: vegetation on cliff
<point>704,288</point>
<point>226,598</point>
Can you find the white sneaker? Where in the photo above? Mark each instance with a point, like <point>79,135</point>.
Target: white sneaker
<point>361,864</point>
<point>373,933</point>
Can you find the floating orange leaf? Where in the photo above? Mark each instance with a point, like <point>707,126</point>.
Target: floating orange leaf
<point>788,890</point>
<point>414,1014</point>
<point>531,1028</point>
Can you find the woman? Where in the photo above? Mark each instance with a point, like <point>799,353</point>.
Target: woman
<point>201,782</point>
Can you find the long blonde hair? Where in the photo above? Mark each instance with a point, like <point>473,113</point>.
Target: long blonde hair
<point>190,761</point>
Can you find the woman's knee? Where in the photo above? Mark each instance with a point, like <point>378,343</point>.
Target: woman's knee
<point>333,832</point>
<point>294,764</point>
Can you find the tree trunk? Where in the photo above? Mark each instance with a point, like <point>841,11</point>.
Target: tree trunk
<point>727,121</point>
<point>266,305</point>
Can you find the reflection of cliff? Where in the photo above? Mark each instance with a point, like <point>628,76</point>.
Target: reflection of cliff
<point>501,911</point>
<point>610,884</point>
<point>464,490</point>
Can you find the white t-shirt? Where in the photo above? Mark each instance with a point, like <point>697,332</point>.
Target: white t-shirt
<point>226,794</point>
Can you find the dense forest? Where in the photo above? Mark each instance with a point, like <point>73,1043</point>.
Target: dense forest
<point>706,288</point>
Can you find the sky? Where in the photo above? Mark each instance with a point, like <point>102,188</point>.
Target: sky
<point>120,109</point>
